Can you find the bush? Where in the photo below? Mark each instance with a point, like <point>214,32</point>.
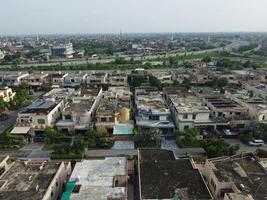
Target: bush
<point>261,153</point>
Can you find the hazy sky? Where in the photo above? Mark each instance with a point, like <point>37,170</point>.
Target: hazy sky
<point>94,16</point>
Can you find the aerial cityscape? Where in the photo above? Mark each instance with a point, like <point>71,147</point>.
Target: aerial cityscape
<point>128,104</point>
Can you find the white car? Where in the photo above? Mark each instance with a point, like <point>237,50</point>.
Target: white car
<point>227,132</point>
<point>256,143</point>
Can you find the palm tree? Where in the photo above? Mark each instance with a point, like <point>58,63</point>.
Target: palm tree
<point>157,136</point>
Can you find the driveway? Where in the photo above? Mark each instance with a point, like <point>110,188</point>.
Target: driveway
<point>168,144</point>
<point>123,145</point>
<point>244,147</point>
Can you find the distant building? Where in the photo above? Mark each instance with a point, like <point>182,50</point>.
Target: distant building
<point>62,51</point>
<point>118,79</point>
<point>2,55</point>
<point>7,94</point>
<point>264,46</point>
<point>33,179</point>
<point>35,80</point>
<point>12,79</point>
<point>74,79</point>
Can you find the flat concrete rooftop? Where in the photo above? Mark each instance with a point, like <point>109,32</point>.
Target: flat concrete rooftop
<point>20,181</point>
<point>96,178</point>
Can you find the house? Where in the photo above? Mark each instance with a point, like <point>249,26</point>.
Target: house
<point>7,94</point>
<point>40,114</point>
<point>56,78</point>
<point>188,112</point>
<point>33,179</point>
<point>74,79</point>
<point>151,110</point>
<point>237,177</point>
<point>163,76</point>
<point>64,94</point>
<point>162,176</point>
<point>97,78</point>
<point>36,80</point>
<point>78,112</point>
<point>256,106</point>
<point>115,108</point>
<point>100,179</point>
<point>12,79</point>
<point>118,79</point>
<point>257,90</point>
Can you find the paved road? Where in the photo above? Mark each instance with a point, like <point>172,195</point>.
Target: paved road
<point>244,147</point>
<point>110,153</point>
<point>12,117</point>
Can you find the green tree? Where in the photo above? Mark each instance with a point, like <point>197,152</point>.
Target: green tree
<point>206,59</point>
<point>2,104</point>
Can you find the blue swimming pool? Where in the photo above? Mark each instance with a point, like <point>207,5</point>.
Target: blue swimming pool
<point>123,129</point>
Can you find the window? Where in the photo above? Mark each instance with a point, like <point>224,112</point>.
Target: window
<point>185,116</point>
<point>194,116</point>
<point>154,117</point>
<point>41,121</point>
<point>213,184</point>
<point>186,127</point>
<point>67,116</point>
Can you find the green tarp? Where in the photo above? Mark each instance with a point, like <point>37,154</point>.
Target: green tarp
<point>69,187</point>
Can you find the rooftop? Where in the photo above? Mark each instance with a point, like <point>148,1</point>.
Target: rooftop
<point>96,178</point>
<point>164,177</point>
<point>79,106</point>
<point>189,104</point>
<point>40,107</point>
<point>219,102</point>
<point>247,175</point>
<point>59,93</point>
<point>20,181</point>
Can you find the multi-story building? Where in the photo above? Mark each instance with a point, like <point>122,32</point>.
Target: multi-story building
<point>115,108</point>
<point>56,78</point>
<point>7,94</point>
<point>77,113</point>
<point>256,106</point>
<point>12,79</point>
<point>237,177</point>
<point>64,94</point>
<point>257,90</point>
<point>163,76</point>
<point>36,80</point>
<point>118,79</point>
<point>33,179</point>
<point>188,112</point>
<point>152,111</point>
<point>62,51</point>
<point>74,79</point>
<point>97,78</point>
<point>100,179</point>
<point>40,114</point>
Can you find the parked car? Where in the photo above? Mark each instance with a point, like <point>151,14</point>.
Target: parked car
<point>256,143</point>
<point>227,132</point>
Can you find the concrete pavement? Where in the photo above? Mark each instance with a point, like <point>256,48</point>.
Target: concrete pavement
<point>110,153</point>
